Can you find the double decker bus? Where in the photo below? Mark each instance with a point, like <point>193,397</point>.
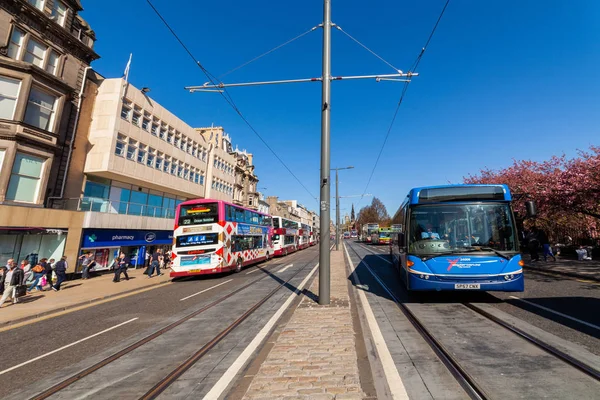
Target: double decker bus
<point>312,238</point>
<point>212,236</point>
<point>304,233</point>
<point>372,229</point>
<point>285,236</point>
<point>458,237</point>
<point>384,236</point>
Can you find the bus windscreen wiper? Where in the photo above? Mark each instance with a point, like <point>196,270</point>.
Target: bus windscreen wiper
<point>478,248</point>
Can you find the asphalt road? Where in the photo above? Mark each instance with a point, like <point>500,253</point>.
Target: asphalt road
<point>507,366</point>
<point>153,310</point>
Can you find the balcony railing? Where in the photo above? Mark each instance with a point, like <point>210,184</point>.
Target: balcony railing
<point>113,207</point>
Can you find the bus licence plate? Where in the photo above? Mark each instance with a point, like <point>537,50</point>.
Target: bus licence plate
<point>466,286</point>
<point>195,270</point>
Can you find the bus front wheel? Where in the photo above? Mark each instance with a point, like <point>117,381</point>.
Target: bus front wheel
<point>238,265</point>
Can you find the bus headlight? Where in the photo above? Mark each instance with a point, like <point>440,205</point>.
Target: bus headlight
<point>508,277</point>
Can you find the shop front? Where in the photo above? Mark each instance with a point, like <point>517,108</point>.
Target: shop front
<point>106,244</point>
<point>32,244</point>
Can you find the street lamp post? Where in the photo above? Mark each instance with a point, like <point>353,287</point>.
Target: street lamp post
<point>337,207</point>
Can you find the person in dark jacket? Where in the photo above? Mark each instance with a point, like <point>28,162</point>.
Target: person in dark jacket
<point>533,242</point>
<point>61,273</point>
<point>545,242</point>
<point>13,277</point>
<point>122,263</point>
<point>49,267</point>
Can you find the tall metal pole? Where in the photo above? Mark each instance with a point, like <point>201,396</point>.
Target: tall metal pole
<point>325,218</point>
<point>337,212</point>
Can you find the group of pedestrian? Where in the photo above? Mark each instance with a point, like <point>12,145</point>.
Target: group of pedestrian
<point>538,239</point>
<point>17,281</point>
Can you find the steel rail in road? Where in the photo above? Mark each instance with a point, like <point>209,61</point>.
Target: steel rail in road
<point>466,381</point>
<point>87,371</point>
<point>548,348</point>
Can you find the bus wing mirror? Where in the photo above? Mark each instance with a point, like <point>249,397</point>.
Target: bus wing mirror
<point>531,209</point>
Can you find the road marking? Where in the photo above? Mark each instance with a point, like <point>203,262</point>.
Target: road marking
<point>285,268</point>
<point>392,376</point>
<point>205,290</point>
<point>66,347</point>
<point>556,312</point>
<point>239,363</point>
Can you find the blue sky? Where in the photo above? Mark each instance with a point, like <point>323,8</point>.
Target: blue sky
<point>500,80</point>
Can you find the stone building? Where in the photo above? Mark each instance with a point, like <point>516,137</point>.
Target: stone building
<point>46,50</point>
<point>245,189</point>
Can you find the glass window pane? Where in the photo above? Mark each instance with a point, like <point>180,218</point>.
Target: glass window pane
<point>52,62</point>
<point>35,53</point>
<point>9,92</point>
<point>22,188</point>
<point>40,109</point>
<point>16,43</point>
<point>98,190</point>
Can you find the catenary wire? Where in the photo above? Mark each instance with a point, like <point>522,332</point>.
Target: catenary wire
<point>339,28</point>
<point>227,97</point>
<point>404,89</point>
<point>268,52</point>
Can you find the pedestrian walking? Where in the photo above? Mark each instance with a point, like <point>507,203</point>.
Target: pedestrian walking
<point>533,242</point>
<point>155,263</point>
<point>545,242</point>
<point>14,277</point>
<point>86,263</point>
<point>38,272</point>
<point>147,258</point>
<point>121,264</point>
<point>61,272</point>
<point>49,268</point>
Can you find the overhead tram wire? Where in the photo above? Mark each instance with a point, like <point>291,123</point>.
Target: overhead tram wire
<point>269,52</point>
<point>225,94</point>
<point>404,89</point>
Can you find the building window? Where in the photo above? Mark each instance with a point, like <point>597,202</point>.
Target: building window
<point>136,117</point>
<point>131,148</point>
<point>151,158</point>
<point>170,137</point>
<point>177,140</point>
<point>154,129</point>
<point>186,173</point>
<point>202,178</point>
<point>39,4</point>
<point>25,178</point>
<point>9,93</point>
<point>59,12</point>
<point>40,110</point>
<point>16,43</point>
<point>141,153</point>
<point>126,111</point>
<point>174,167</point>
<point>159,160</point>
<point>145,123</point>
<point>204,156</point>
<point>35,53</point>
<point>167,166</point>
<point>52,64</point>
<point>163,133</point>
<point>120,146</point>
<point>180,170</point>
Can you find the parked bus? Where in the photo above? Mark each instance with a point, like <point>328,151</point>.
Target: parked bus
<point>212,236</point>
<point>458,237</point>
<point>312,238</point>
<point>371,230</point>
<point>303,235</point>
<point>353,234</point>
<point>285,236</point>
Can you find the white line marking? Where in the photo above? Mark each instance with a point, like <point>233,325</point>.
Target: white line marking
<point>205,290</point>
<point>239,363</point>
<point>556,312</point>
<point>285,268</point>
<point>392,376</point>
<point>254,270</point>
<point>67,346</point>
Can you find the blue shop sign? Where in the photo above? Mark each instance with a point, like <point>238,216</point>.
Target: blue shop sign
<point>243,229</point>
<point>124,237</point>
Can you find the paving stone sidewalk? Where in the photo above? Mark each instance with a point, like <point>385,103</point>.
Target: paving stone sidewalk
<point>585,269</point>
<point>75,293</point>
<point>315,355</point>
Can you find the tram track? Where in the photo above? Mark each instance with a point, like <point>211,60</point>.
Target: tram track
<point>473,389</point>
<point>178,371</point>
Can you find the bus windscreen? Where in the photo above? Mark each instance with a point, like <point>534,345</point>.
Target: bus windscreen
<point>195,214</point>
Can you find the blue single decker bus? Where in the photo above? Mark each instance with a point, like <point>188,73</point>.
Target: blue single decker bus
<point>458,237</point>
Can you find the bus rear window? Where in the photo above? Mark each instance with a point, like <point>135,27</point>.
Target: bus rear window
<point>205,213</point>
<point>197,240</point>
